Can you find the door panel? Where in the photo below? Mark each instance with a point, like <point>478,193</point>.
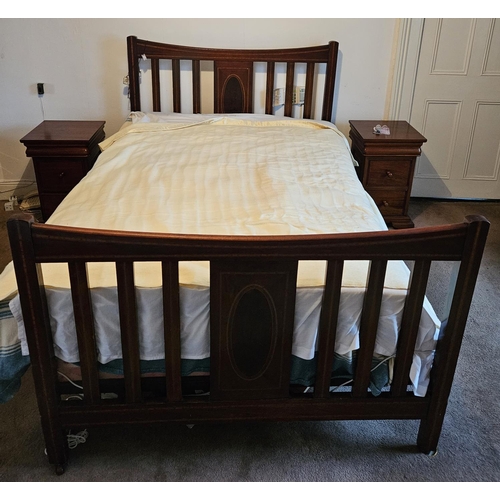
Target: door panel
<point>456,106</point>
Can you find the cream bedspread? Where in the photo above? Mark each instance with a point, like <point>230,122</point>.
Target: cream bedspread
<point>224,175</point>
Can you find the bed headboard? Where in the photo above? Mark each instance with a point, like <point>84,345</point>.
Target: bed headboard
<point>233,75</point>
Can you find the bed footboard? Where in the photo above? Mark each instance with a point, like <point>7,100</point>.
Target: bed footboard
<point>252,300</point>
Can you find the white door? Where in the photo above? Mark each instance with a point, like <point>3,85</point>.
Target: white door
<point>456,106</point>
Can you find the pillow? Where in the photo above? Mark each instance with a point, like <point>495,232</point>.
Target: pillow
<point>159,117</point>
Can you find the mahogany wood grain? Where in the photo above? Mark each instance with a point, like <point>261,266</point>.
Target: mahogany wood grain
<point>38,334</point>
<point>337,407</point>
<point>409,326</point>
<point>330,75</point>
<point>155,70</point>
<point>290,72</point>
<point>328,328</point>
<point>309,91</point>
<point>133,74</point>
<point>233,87</point>
<point>96,245</point>
<point>270,87</point>
<point>129,330</point>
<point>236,58</point>
<point>176,84</point>
<point>386,164</point>
<point>172,329</point>
<point>241,264</point>
<point>63,152</point>
<point>252,306</point>
<point>196,86</point>
<point>84,323</point>
<point>71,137</point>
<point>368,326</point>
<point>451,335</point>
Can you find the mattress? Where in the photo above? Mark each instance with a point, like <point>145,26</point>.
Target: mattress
<point>224,175</point>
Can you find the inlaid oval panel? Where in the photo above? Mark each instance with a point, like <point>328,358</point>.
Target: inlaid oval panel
<point>233,95</point>
<point>252,332</point>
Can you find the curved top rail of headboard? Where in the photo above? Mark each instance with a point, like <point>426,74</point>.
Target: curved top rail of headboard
<point>233,75</point>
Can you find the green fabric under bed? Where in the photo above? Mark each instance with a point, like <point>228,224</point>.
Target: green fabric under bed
<point>302,371</point>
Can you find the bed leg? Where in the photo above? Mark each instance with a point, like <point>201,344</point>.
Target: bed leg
<point>60,469</point>
<point>56,446</point>
<point>428,435</point>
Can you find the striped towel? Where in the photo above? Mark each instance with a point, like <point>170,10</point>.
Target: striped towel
<point>13,364</point>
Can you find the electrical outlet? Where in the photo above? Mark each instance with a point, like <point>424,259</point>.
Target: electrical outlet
<point>298,95</point>
<point>40,89</point>
<point>9,206</point>
<point>279,97</point>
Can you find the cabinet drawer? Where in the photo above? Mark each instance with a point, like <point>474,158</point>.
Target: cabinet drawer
<point>59,175</point>
<point>389,173</point>
<point>389,202</point>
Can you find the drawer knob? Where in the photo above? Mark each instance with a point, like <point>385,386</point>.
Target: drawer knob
<point>385,203</point>
<point>389,174</point>
<point>61,175</point>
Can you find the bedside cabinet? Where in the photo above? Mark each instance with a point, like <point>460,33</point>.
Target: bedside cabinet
<point>386,165</point>
<point>63,152</point>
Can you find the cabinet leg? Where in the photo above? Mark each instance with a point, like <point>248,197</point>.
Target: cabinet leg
<point>401,222</point>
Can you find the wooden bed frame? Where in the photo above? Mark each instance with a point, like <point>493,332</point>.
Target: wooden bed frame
<point>252,293</point>
<point>234,75</point>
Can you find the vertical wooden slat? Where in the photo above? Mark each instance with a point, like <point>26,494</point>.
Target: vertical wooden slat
<point>409,326</point>
<point>368,327</point>
<point>176,85</point>
<point>84,322</point>
<point>155,77</point>
<point>270,88</point>
<point>172,329</point>
<point>129,330</point>
<point>290,72</point>
<point>196,87</point>
<point>309,90</point>
<point>328,327</point>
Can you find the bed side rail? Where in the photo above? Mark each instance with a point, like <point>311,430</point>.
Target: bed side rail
<point>233,75</point>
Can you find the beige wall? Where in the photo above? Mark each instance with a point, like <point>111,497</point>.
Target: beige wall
<point>83,61</point>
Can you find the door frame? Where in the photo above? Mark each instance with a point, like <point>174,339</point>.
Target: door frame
<point>409,39</point>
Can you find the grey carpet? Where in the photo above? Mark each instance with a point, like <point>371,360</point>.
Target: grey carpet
<point>469,448</point>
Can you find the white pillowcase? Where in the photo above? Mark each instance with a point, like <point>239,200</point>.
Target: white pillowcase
<point>159,117</point>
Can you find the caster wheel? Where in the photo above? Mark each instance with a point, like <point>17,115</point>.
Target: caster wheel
<point>432,453</point>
